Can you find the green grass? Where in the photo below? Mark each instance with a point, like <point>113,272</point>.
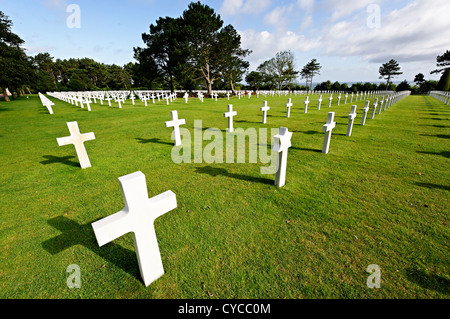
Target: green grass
<point>379,197</point>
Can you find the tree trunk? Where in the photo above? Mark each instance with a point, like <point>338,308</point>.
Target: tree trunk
<point>233,91</point>
<point>5,95</point>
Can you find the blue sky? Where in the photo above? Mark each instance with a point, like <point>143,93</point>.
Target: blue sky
<point>350,39</point>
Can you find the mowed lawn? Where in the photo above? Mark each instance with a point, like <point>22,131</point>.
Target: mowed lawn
<point>379,197</point>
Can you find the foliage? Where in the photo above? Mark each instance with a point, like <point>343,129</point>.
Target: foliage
<point>443,62</point>
<point>389,70</point>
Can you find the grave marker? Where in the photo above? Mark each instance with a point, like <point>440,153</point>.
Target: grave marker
<point>282,142</point>
<point>264,109</point>
<point>351,120</point>
<point>230,115</point>
<point>175,123</point>
<point>138,217</point>
<point>288,108</point>
<point>328,128</point>
<point>365,110</point>
<point>77,139</point>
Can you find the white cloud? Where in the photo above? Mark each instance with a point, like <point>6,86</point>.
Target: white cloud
<point>412,33</point>
<point>305,4</point>
<point>236,7</point>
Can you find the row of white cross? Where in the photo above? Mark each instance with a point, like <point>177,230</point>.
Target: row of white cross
<point>140,212</point>
<point>442,96</point>
<point>46,102</point>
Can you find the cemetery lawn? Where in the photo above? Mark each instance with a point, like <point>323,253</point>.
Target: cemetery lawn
<point>379,197</point>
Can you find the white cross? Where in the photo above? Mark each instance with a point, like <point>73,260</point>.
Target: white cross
<point>339,98</point>
<point>138,217</point>
<point>186,97</point>
<point>132,98</point>
<point>306,104</point>
<point>346,97</point>
<point>230,115</point>
<point>328,128</point>
<point>365,110</point>
<point>153,99</point>
<point>264,109</point>
<point>351,98</point>
<point>77,139</point>
<point>88,103</point>
<point>175,123</point>
<point>215,96</point>
<point>167,99</point>
<point>320,102</point>
<point>228,96</point>
<point>282,141</point>
<point>288,108</point>
<point>249,94</point>
<point>109,100</point>
<point>330,99</point>
<point>381,105</point>
<point>351,119</point>
<point>374,109</point>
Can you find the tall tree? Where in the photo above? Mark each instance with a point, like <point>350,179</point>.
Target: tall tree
<point>214,53</point>
<point>443,62</point>
<point>389,70</point>
<point>280,70</point>
<point>309,71</point>
<point>232,66</point>
<point>14,64</point>
<point>419,78</point>
<point>165,47</point>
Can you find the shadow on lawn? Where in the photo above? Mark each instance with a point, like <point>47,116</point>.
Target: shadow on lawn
<point>443,153</point>
<point>214,171</point>
<point>429,281</point>
<point>152,140</point>
<point>436,186</point>
<point>76,234</point>
<point>51,159</point>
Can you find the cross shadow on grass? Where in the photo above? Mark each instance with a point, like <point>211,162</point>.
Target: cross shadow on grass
<point>72,234</point>
<point>152,140</point>
<point>51,159</point>
<point>431,186</point>
<point>429,281</point>
<point>214,171</point>
<point>443,153</point>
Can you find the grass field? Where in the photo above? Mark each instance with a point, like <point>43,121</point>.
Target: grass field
<point>379,197</point>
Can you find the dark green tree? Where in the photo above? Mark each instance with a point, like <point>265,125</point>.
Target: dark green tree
<point>15,66</point>
<point>309,71</point>
<point>443,62</point>
<point>389,70</point>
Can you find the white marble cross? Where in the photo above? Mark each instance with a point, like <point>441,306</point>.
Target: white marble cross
<point>138,217</point>
<point>186,97</point>
<point>374,109</point>
<point>330,99</point>
<point>228,96</point>
<point>328,128</point>
<point>77,139</point>
<point>351,120</point>
<point>109,100</point>
<point>365,110</point>
<point>175,123</point>
<point>264,109</point>
<point>88,103</point>
<point>346,97</point>
<point>338,99</point>
<point>381,105</point>
<point>230,115</point>
<point>288,108</point>
<point>351,98</point>
<point>282,141</point>
<point>320,101</point>
<point>306,104</point>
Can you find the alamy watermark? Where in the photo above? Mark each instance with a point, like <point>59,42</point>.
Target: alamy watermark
<point>374,280</point>
<point>74,279</point>
<point>237,149</point>
<point>74,19</point>
<point>374,16</point>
